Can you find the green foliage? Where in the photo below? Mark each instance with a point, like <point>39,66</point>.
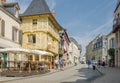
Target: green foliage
<point>111,52</point>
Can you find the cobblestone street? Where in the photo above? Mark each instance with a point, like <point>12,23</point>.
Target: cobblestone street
<point>77,74</point>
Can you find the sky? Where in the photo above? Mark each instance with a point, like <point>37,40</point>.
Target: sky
<point>83,19</point>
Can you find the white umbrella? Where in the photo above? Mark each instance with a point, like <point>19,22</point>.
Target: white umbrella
<point>39,52</point>
<point>15,50</point>
<point>21,50</point>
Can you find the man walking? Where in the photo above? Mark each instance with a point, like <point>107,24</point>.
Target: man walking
<point>94,64</point>
<point>56,63</point>
<point>89,63</point>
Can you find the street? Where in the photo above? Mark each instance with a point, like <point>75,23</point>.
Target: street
<point>77,74</point>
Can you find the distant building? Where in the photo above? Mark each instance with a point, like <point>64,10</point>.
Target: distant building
<point>89,51</point>
<point>74,51</point>
<point>100,48</point>
<point>84,59</point>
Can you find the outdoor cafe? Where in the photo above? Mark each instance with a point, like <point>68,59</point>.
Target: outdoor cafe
<point>19,60</point>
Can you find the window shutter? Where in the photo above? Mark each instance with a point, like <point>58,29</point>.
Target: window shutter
<point>13,33</point>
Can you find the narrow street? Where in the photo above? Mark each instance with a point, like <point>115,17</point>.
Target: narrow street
<point>77,74</point>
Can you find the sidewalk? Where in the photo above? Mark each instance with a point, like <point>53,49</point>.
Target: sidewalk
<point>6,79</point>
<point>111,75</point>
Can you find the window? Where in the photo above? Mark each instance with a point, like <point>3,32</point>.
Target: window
<point>112,43</point>
<point>30,57</point>
<point>14,34</point>
<point>37,58</point>
<point>34,21</point>
<point>101,44</point>
<point>2,27</point>
<point>31,38</point>
<point>20,36</point>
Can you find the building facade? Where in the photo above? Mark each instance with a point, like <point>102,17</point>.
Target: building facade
<point>74,51</point>
<point>100,48</point>
<point>10,32</point>
<point>89,51</point>
<point>116,30</point>
<point>65,41</point>
<point>40,31</point>
<point>110,44</point>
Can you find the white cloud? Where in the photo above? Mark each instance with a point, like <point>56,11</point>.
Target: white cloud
<point>85,38</point>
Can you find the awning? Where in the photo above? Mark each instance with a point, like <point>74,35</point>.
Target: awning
<point>39,52</point>
<point>25,51</point>
<point>15,50</point>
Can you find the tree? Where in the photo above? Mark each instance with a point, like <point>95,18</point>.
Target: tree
<point>111,53</point>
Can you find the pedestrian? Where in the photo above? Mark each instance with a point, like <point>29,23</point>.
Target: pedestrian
<point>56,64</point>
<point>89,63</point>
<point>61,64</point>
<point>99,63</point>
<point>93,64</point>
<point>103,63</point>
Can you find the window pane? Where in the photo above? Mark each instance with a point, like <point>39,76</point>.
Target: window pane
<point>2,28</point>
<point>14,34</point>
<point>34,21</point>
<point>32,38</point>
<point>37,57</point>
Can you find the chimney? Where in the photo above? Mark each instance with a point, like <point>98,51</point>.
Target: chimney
<point>53,13</point>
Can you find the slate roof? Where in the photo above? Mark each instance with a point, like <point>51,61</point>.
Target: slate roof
<point>37,7</point>
<point>10,7</point>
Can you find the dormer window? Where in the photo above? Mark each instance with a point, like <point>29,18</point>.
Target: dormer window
<point>34,21</point>
<point>16,13</point>
<point>16,10</point>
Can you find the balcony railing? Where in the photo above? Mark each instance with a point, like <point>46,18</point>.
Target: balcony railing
<point>116,24</point>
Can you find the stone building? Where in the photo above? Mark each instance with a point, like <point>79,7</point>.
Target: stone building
<point>116,30</point>
<point>40,31</point>
<point>10,32</point>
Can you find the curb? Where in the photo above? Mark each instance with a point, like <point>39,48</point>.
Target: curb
<point>99,71</point>
<point>95,77</point>
<point>39,75</point>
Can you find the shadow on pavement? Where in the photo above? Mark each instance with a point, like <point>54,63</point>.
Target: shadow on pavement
<point>85,75</point>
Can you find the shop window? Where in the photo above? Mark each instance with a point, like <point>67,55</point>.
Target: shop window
<point>30,58</point>
<point>37,58</point>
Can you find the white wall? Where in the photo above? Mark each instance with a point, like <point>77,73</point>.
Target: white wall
<point>6,41</point>
<point>9,23</point>
<point>73,52</point>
